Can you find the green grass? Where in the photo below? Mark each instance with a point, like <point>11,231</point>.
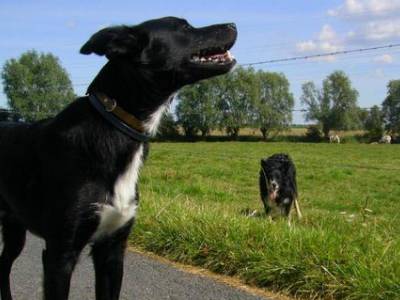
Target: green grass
<point>193,196</point>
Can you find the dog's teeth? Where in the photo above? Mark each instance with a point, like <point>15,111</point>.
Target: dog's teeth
<point>219,58</point>
<point>230,56</point>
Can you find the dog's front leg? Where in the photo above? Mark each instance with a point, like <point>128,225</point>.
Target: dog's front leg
<point>58,265</point>
<point>108,258</point>
<point>297,207</point>
<point>13,243</point>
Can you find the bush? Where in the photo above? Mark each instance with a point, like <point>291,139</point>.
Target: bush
<point>350,139</point>
<point>313,134</point>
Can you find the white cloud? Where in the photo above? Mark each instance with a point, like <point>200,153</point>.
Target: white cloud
<point>327,33</point>
<point>329,47</point>
<point>361,8</point>
<point>327,41</point>
<point>306,46</point>
<point>381,30</point>
<point>376,20</point>
<point>384,59</point>
<point>351,34</point>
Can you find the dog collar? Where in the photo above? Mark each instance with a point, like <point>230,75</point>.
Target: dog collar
<point>118,117</point>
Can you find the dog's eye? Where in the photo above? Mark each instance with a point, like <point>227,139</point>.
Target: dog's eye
<point>186,26</point>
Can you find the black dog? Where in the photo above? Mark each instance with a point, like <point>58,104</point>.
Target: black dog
<point>278,187</point>
<point>72,180</point>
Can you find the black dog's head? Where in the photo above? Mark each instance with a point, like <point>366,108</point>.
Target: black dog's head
<point>278,184</point>
<point>169,46</point>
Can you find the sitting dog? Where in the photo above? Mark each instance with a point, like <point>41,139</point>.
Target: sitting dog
<point>278,188</point>
<point>72,180</point>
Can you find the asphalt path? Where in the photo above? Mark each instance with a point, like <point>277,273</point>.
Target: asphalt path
<point>144,278</point>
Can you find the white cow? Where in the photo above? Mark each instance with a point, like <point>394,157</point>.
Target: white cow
<point>386,139</point>
<point>334,139</point>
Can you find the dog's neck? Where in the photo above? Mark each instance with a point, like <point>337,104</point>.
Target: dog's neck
<point>133,87</point>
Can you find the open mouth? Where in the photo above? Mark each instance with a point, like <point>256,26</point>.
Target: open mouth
<point>273,195</point>
<point>212,56</point>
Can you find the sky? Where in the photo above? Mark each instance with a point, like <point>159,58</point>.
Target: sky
<point>266,30</point>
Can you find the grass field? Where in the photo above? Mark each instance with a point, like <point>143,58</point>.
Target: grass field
<point>347,246</point>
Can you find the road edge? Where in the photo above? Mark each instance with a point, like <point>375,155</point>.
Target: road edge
<point>224,279</point>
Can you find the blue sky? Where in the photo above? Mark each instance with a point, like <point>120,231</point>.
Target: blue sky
<point>267,30</point>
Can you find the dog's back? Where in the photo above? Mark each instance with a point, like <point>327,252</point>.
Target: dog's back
<point>17,161</point>
<point>15,142</point>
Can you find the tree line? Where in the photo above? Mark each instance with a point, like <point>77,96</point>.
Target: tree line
<point>247,98</point>
<point>335,107</point>
<point>244,98</point>
<point>38,87</point>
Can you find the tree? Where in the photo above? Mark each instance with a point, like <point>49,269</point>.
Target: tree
<point>313,134</point>
<point>374,123</point>
<point>391,107</point>
<point>168,127</point>
<point>362,116</point>
<point>335,106</point>
<point>196,110</point>
<point>317,108</point>
<point>36,85</point>
<point>237,93</point>
<point>273,107</point>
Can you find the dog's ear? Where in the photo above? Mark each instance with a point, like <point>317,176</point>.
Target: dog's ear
<point>290,168</point>
<point>115,41</point>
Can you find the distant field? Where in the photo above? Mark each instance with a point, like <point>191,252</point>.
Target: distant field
<point>290,132</point>
<point>347,246</point>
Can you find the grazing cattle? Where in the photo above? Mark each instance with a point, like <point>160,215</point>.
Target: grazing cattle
<point>334,139</point>
<point>386,139</point>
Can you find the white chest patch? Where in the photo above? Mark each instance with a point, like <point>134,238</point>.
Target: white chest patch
<point>123,208</point>
<point>153,121</point>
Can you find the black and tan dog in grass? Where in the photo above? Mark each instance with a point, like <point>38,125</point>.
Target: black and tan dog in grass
<point>72,180</point>
<point>278,187</point>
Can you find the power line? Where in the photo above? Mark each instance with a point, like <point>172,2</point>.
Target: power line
<point>298,58</point>
<point>321,55</point>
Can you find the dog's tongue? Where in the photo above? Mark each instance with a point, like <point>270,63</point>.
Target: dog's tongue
<point>272,195</point>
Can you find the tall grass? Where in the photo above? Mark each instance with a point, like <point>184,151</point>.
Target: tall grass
<point>346,247</point>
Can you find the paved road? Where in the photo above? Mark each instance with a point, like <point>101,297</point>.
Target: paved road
<point>145,279</point>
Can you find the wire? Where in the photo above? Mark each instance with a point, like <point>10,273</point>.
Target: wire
<point>298,58</point>
<point>291,59</point>
<point>320,55</point>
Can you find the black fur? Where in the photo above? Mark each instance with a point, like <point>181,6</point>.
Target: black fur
<point>55,173</point>
<point>278,170</point>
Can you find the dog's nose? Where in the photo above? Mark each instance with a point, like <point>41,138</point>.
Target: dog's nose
<point>232,26</point>
<point>274,185</point>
